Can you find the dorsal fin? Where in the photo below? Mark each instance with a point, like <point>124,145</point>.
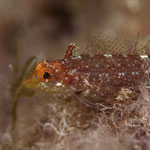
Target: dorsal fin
<point>106,44</point>
<point>69,51</point>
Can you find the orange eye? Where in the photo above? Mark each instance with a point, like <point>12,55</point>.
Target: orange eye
<point>46,74</point>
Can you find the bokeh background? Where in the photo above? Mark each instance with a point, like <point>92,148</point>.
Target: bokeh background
<point>44,28</point>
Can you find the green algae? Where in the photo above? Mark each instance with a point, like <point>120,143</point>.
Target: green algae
<point>18,89</point>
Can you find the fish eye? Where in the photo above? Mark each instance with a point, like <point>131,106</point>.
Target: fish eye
<point>46,75</point>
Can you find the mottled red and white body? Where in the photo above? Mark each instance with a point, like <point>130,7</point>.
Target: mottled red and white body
<point>91,75</point>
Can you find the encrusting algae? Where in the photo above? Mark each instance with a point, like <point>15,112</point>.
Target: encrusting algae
<point>100,72</point>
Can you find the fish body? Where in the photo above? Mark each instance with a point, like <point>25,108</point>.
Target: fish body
<point>90,75</point>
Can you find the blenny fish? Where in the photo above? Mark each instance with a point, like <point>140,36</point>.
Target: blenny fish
<point>107,65</point>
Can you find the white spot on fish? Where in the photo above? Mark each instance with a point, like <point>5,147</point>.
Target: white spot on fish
<point>144,56</point>
<point>108,55</point>
<point>80,57</point>
<point>58,84</point>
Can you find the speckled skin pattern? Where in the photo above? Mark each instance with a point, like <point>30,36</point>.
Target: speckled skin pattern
<point>99,76</point>
<point>90,76</point>
<point>98,70</point>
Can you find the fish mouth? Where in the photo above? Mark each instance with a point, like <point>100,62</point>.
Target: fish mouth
<point>35,84</point>
<point>38,85</point>
<point>30,83</point>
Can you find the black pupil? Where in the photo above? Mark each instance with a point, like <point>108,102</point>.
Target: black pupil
<point>46,75</point>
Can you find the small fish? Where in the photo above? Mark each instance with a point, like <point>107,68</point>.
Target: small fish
<point>107,65</point>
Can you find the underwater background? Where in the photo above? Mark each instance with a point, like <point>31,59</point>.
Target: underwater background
<point>36,120</point>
